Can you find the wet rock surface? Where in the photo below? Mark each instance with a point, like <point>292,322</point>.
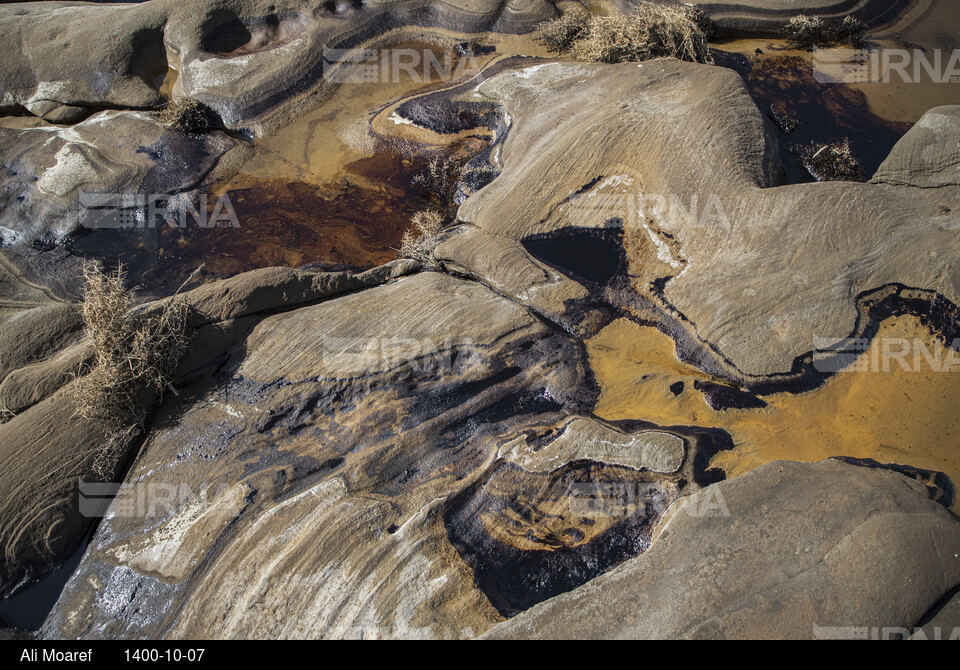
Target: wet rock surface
<point>629,302</point>
<point>448,372</point>
<point>780,552</point>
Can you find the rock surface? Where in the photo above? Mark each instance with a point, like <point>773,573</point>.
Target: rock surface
<point>58,178</point>
<point>347,469</point>
<point>944,624</point>
<point>925,157</point>
<point>682,161</point>
<point>805,550</point>
<point>249,60</point>
<point>586,439</point>
<point>49,449</point>
<point>71,59</point>
<point>380,455</point>
<point>505,266</point>
<point>240,57</point>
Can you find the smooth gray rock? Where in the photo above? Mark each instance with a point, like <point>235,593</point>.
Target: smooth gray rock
<point>58,178</point>
<point>928,156</point>
<point>680,158</point>
<point>790,550</point>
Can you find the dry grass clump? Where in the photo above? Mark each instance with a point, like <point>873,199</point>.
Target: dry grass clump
<point>560,34</point>
<point>439,179</point>
<point>442,178</point>
<point>830,162</point>
<point>653,31</point>
<point>421,238</point>
<point>850,31</point>
<point>110,451</point>
<point>187,115</point>
<point>133,352</point>
<point>806,32</point>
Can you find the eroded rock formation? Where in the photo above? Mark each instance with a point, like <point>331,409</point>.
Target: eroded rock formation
<point>532,437</point>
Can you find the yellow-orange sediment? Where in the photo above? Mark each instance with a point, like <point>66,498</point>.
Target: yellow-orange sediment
<point>894,416</point>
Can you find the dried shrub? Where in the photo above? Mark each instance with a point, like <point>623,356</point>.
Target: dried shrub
<point>110,450</point>
<point>439,179</point>
<point>560,34</point>
<point>850,31</point>
<point>830,162</point>
<point>784,118</point>
<point>442,178</point>
<point>804,32</point>
<point>421,238</point>
<point>133,351</point>
<point>188,116</point>
<point>652,31</point>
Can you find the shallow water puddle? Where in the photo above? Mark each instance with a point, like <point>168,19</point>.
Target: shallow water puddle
<point>892,416</point>
<point>530,536</point>
<point>326,189</point>
<point>873,115</point>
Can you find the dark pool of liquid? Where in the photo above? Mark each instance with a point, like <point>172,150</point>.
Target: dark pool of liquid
<point>595,255</point>
<point>568,550</point>
<point>28,609</point>
<point>826,112</point>
<point>355,222</point>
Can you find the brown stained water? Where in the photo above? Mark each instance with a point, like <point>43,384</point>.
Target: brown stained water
<point>357,221</point>
<point>892,416</point>
<point>328,190</point>
<point>826,112</point>
<point>873,116</point>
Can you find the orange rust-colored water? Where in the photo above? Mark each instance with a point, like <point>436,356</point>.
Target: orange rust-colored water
<point>332,188</point>
<point>357,220</point>
<point>892,416</point>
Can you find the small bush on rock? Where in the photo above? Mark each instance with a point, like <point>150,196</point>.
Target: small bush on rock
<point>652,31</point>
<point>421,238</point>
<point>439,179</point>
<point>805,32</point>
<point>133,352</point>
<point>830,162</point>
<point>559,35</point>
